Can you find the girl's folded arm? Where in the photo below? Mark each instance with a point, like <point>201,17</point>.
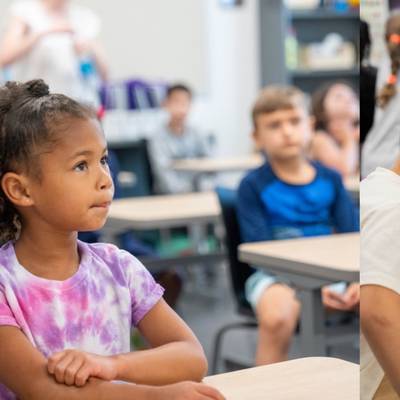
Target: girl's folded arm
<point>23,369</point>
<point>176,354</point>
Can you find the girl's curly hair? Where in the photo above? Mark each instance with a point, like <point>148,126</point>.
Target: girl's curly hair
<point>29,120</point>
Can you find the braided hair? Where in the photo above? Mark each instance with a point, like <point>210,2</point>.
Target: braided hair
<point>392,37</point>
<point>30,121</point>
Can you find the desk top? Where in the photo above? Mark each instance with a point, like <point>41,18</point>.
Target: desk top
<point>313,378</point>
<point>155,212</point>
<point>240,163</point>
<point>332,257</point>
<point>221,164</point>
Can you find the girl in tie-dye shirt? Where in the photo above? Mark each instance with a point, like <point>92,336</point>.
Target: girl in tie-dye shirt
<point>66,307</point>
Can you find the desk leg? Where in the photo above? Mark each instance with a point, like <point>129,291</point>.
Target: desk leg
<point>312,327</point>
<point>198,235</point>
<point>196,182</point>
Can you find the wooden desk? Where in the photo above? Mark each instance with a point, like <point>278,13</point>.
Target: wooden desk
<point>208,166</point>
<point>203,166</point>
<point>301,379</point>
<point>331,258</point>
<point>165,212</point>
<point>309,263</point>
<point>170,211</point>
<point>214,165</point>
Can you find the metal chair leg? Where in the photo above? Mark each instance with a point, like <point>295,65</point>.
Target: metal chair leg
<point>220,335</point>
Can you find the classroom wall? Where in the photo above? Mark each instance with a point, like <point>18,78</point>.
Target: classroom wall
<point>151,38</point>
<point>215,49</point>
<point>234,76</point>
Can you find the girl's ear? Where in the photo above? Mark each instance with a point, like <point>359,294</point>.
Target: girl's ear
<point>15,187</point>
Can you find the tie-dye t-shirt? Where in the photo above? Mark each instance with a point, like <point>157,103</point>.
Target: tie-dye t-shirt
<point>93,310</point>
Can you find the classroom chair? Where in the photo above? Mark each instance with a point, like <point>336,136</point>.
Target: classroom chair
<point>133,157</point>
<point>238,272</point>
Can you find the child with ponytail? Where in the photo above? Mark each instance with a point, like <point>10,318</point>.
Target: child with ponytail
<point>67,307</point>
<point>381,148</point>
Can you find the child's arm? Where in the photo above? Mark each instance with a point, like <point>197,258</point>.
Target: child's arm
<point>343,159</point>
<point>18,41</point>
<point>23,370</point>
<point>176,355</point>
<point>380,323</point>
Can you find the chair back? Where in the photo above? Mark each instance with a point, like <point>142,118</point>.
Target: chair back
<point>239,271</point>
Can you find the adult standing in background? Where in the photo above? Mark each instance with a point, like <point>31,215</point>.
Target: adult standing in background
<point>54,40</point>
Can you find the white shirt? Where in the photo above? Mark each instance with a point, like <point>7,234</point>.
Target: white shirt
<point>382,145</point>
<point>380,255</point>
<point>54,58</point>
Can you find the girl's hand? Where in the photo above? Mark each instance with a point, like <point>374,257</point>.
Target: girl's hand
<point>342,130</point>
<point>186,391</point>
<point>74,367</point>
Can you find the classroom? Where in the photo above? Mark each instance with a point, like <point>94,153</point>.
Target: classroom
<point>180,199</point>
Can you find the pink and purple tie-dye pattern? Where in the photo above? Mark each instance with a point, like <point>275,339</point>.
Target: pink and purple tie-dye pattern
<point>91,311</point>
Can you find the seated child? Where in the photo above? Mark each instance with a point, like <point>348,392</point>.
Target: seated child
<point>336,110</point>
<point>176,140</point>
<point>67,307</point>
<point>380,283</point>
<point>288,197</point>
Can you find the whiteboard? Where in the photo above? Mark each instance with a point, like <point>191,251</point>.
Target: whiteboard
<point>152,39</point>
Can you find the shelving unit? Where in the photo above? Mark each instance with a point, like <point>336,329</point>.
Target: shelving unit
<point>311,26</point>
<point>324,14</point>
<point>325,74</point>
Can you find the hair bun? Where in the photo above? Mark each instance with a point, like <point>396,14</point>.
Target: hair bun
<point>37,88</point>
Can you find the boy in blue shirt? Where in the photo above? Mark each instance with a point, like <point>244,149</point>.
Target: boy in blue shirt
<point>288,197</point>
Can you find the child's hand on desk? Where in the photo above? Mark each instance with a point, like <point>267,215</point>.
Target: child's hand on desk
<point>74,367</point>
<point>352,295</point>
<point>346,301</point>
<point>186,391</point>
